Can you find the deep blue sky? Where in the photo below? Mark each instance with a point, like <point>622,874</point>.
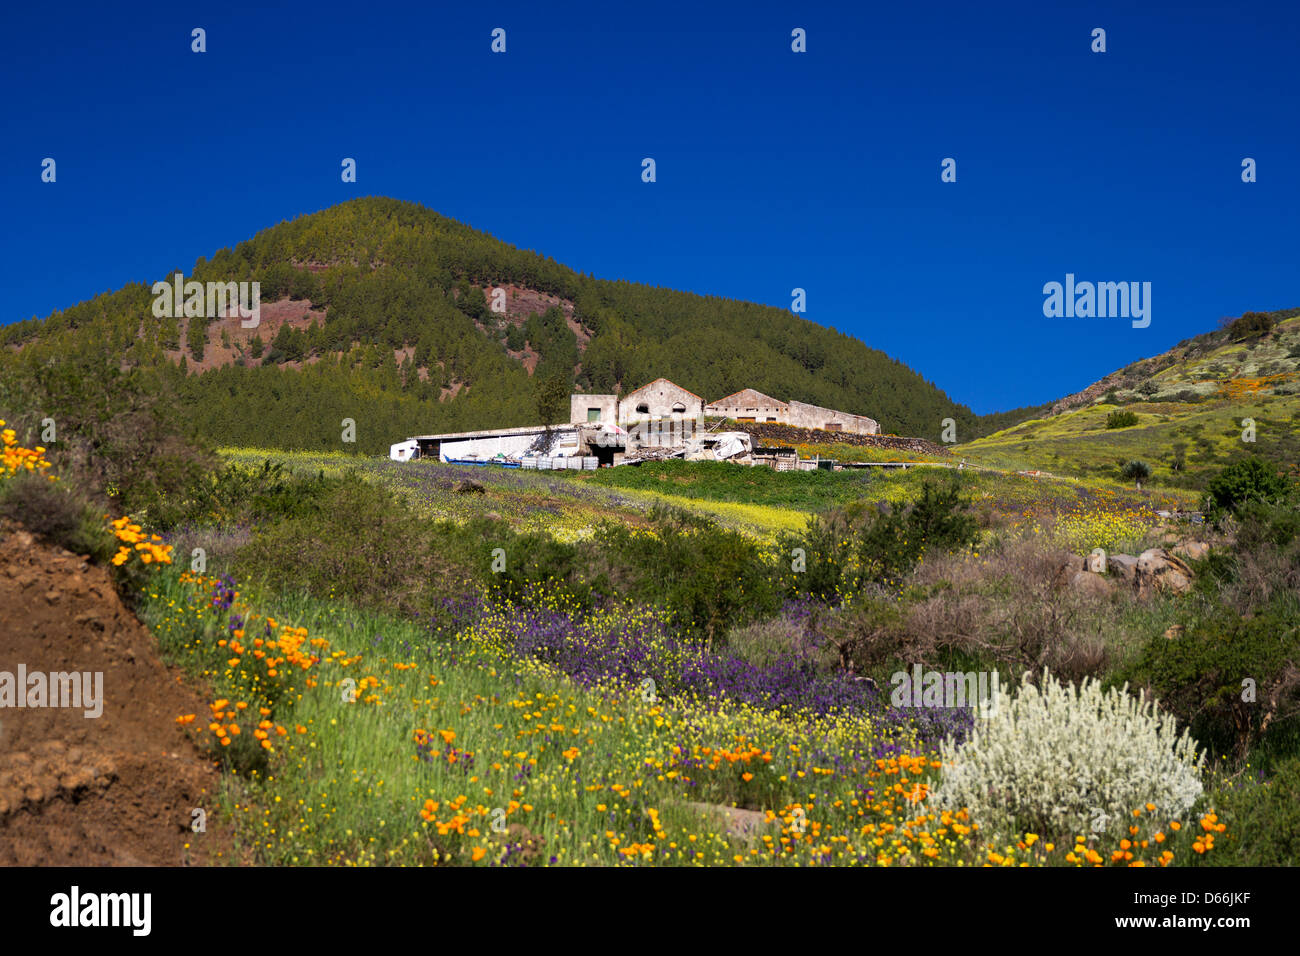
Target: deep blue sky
<point>775,169</point>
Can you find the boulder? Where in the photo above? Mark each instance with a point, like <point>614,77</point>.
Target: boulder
<point>1158,570</point>
<point>1123,566</point>
<point>1067,566</point>
<point>1193,550</point>
<point>467,486</point>
<point>1091,583</point>
<point>1096,561</point>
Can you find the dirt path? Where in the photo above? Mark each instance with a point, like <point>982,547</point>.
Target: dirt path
<point>117,789</point>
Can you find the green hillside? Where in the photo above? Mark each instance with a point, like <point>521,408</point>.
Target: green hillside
<point>1193,407</point>
<point>375,310</point>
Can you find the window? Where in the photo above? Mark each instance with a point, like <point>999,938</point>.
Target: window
<point>643,409</point>
<point>593,414</point>
<point>678,408</point>
<point>834,427</point>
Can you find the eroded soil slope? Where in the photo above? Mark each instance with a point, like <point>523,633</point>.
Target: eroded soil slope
<point>118,789</point>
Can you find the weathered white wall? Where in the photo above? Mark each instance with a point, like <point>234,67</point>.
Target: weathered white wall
<point>608,405</point>
<point>659,397</point>
<point>563,441</point>
<point>803,415</point>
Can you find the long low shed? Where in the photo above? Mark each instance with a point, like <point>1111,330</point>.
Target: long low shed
<point>511,442</point>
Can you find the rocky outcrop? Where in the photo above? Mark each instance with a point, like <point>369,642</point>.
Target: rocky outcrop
<point>1123,567</point>
<point>1160,570</point>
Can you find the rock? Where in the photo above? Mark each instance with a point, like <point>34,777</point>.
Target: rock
<point>1096,561</point>
<point>1193,550</point>
<point>467,486</point>
<point>1123,566</point>
<point>1174,631</point>
<point>1067,566</point>
<point>1091,583</point>
<point>1158,570</point>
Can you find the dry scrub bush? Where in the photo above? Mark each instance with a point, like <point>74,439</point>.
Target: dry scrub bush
<point>1013,606</point>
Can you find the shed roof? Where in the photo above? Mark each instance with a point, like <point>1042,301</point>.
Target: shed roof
<point>748,397</point>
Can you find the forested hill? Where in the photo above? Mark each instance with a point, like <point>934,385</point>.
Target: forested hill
<point>379,310</point>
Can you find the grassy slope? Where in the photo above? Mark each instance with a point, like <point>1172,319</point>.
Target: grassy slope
<point>756,501</point>
<point>1237,380</point>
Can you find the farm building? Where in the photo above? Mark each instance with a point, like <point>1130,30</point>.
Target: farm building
<point>660,400</point>
<point>512,443</point>
<point>658,420</point>
<point>748,405</point>
<point>803,415</point>
<point>662,413</point>
<point>593,408</point>
<point>658,415</point>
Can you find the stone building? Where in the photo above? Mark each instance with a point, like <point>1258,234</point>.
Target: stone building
<point>590,409</point>
<point>803,415</point>
<point>660,400</point>
<point>660,414</point>
<point>749,405</point>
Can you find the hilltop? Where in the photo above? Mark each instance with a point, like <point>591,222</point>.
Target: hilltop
<point>1193,408</point>
<point>381,311</point>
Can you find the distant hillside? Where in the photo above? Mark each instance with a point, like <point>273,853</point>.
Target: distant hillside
<point>1192,404</point>
<point>378,310</point>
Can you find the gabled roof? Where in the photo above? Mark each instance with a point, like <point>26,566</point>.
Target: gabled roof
<point>748,397</point>
<point>656,382</point>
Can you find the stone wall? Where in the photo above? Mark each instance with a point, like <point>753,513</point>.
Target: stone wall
<point>803,415</point>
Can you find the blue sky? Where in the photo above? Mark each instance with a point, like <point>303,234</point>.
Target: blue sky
<point>775,170</point>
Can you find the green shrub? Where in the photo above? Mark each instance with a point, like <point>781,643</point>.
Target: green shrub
<point>848,548</point>
<point>1263,821</point>
<point>122,434</point>
<point>239,494</point>
<point>1199,676</point>
<point>1121,418</point>
<point>893,544</point>
<point>1266,524</point>
<point>1251,325</point>
<point>532,565</point>
<point>360,543</point>
<point>711,578</point>
<point>1250,479</point>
